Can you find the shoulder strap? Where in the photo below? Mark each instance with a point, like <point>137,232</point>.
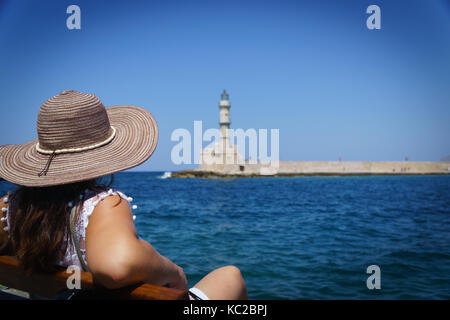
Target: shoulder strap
<point>75,238</point>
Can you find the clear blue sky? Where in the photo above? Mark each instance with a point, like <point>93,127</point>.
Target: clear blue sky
<point>310,68</point>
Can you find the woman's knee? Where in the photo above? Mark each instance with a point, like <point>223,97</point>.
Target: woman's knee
<point>225,283</point>
<point>233,272</point>
<point>234,277</point>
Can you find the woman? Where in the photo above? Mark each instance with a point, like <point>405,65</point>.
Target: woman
<point>79,140</point>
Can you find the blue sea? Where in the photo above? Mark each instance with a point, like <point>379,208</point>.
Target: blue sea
<point>302,237</point>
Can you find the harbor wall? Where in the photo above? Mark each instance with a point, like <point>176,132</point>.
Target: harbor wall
<point>326,168</point>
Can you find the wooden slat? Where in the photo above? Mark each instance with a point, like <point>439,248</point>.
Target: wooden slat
<point>49,285</point>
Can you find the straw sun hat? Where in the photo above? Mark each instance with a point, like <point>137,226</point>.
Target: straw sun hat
<point>80,139</point>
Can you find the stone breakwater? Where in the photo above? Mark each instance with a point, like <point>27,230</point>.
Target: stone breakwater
<point>317,168</point>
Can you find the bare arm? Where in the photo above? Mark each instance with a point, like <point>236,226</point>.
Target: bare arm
<point>116,256</point>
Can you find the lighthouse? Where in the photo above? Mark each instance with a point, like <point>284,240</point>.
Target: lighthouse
<point>224,123</point>
<point>223,155</point>
<point>224,118</point>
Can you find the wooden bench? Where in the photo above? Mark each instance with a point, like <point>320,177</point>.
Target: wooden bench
<point>51,285</point>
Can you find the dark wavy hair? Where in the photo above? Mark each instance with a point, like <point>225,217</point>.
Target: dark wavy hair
<point>39,222</point>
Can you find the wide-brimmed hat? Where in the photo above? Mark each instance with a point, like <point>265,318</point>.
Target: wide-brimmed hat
<point>80,139</point>
<point>1,148</point>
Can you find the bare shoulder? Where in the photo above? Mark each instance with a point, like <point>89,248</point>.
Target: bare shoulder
<point>110,235</point>
<point>112,210</point>
<point>113,203</point>
<point>111,215</point>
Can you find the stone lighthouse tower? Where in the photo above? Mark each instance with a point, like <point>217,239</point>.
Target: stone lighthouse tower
<point>223,156</point>
<point>224,120</point>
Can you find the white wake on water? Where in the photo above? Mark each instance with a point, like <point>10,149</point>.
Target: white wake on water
<point>166,175</point>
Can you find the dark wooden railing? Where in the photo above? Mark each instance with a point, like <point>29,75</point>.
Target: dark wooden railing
<point>50,285</point>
